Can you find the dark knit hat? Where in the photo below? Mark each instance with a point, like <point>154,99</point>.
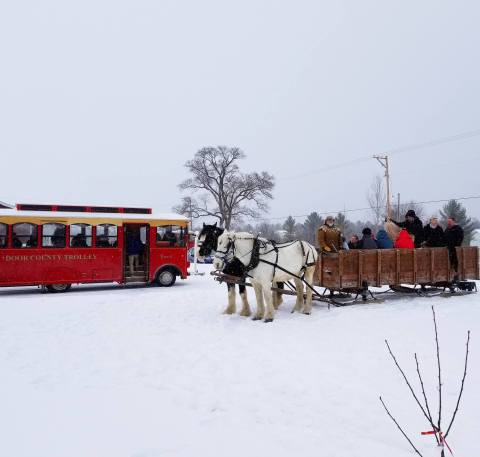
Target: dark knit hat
<point>367,231</point>
<point>410,213</point>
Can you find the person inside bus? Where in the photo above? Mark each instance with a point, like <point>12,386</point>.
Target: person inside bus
<point>58,237</point>
<point>79,241</point>
<point>134,249</point>
<point>413,225</point>
<point>17,242</point>
<point>433,233</point>
<point>31,241</point>
<point>170,236</point>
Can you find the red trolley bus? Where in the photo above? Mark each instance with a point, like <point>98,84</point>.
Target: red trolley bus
<point>56,246</point>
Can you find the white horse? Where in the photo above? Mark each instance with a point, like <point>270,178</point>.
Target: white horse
<point>207,244</point>
<point>275,263</point>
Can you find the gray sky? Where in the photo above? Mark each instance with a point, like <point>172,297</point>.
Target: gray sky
<point>103,101</point>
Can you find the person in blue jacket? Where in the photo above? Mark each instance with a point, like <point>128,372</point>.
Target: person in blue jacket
<point>134,249</point>
<point>383,240</point>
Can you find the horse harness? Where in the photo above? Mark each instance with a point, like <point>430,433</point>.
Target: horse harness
<point>255,258</point>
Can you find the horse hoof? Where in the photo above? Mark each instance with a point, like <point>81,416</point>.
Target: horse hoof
<point>268,320</point>
<point>307,313</point>
<point>256,318</point>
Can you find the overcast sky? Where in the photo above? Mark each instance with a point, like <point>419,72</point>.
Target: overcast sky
<point>102,102</point>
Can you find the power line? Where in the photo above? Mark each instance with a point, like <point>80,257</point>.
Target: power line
<point>447,139</point>
<point>330,168</point>
<point>474,197</point>
<point>408,148</point>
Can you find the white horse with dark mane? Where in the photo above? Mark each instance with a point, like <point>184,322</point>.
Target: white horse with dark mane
<point>207,244</point>
<point>266,263</point>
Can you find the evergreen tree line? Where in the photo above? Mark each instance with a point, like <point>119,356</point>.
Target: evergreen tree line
<point>292,229</point>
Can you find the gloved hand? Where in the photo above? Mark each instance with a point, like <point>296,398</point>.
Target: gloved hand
<point>327,249</point>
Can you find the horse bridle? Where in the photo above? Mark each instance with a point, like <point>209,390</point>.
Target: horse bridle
<point>211,241</point>
<point>223,254</point>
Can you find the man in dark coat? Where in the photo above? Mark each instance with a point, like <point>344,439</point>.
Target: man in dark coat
<point>413,225</point>
<point>367,241</point>
<point>433,234</point>
<point>453,238</point>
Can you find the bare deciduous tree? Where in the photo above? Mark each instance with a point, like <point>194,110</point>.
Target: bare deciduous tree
<point>399,213</point>
<point>228,194</point>
<point>377,199</point>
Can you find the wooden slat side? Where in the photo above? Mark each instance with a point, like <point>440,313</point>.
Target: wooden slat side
<point>432,263</point>
<point>398,267</point>
<point>477,263</point>
<point>379,268</point>
<point>415,264</point>
<point>340,269</point>
<point>360,269</point>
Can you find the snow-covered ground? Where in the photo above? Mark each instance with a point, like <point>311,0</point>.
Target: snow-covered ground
<point>156,372</point>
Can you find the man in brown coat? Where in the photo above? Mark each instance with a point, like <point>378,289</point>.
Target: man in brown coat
<point>329,237</point>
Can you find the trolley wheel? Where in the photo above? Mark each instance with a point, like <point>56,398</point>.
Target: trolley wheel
<point>55,288</point>
<point>166,278</point>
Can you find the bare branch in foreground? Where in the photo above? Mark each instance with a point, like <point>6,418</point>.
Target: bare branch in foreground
<point>425,396</point>
<point>410,387</point>
<point>461,388</point>
<point>400,428</point>
<point>439,372</point>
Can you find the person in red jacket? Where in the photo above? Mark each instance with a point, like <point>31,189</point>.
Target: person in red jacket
<point>404,240</point>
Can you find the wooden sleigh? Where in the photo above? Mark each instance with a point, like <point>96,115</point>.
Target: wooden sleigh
<point>415,271</point>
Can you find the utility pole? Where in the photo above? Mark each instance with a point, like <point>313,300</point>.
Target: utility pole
<point>383,161</point>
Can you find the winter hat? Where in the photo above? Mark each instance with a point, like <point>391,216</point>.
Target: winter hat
<point>410,213</point>
<point>382,234</point>
<point>367,231</point>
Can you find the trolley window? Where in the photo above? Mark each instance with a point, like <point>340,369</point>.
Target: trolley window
<point>24,235</point>
<point>3,235</point>
<point>171,236</point>
<point>80,236</point>
<point>106,236</point>
<point>53,235</point>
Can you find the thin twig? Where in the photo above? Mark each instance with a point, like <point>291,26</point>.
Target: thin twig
<point>410,387</point>
<point>439,372</point>
<point>461,388</point>
<point>400,428</point>
<point>425,396</point>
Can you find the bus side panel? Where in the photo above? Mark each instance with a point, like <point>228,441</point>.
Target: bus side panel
<point>68,265</point>
<point>56,266</point>
<point>168,256</point>
<point>164,255</point>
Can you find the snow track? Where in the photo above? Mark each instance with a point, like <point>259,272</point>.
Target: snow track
<point>110,371</point>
